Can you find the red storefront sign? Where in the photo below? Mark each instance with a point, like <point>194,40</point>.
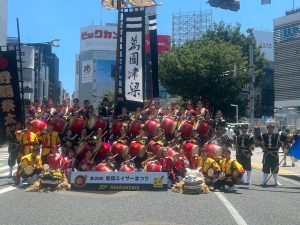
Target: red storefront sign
<point>163,43</point>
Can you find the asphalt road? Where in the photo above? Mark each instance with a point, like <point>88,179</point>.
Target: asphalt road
<point>252,205</point>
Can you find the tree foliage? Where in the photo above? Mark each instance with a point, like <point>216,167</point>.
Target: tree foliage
<point>204,68</point>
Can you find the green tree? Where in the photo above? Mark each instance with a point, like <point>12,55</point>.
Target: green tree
<point>198,68</point>
<point>110,95</point>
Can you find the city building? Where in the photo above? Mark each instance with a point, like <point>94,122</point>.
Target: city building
<point>40,71</point>
<point>3,22</point>
<point>94,72</point>
<point>95,62</point>
<point>287,60</point>
<point>264,97</point>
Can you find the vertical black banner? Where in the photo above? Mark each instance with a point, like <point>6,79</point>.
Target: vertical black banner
<point>10,100</point>
<point>133,54</point>
<point>154,54</point>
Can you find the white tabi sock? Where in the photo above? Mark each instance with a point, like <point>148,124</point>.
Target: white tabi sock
<point>244,179</point>
<point>10,171</point>
<point>275,176</point>
<point>249,177</point>
<point>264,179</point>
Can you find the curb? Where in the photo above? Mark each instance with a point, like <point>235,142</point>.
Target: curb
<point>282,171</point>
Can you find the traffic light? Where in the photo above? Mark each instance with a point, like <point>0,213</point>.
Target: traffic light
<point>233,5</point>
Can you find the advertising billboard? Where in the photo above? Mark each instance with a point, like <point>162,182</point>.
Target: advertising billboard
<point>265,40</point>
<point>98,37</point>
<point>163,43</point>
<point>87,72</point>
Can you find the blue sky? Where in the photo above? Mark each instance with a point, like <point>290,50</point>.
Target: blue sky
<point>45,20</point>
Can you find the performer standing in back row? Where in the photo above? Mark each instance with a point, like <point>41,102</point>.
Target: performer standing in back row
<point>244,148</point>
<point>270,146</point>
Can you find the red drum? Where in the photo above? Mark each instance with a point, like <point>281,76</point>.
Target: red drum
<point>83,149</point>
<point>151,127</point>
<point>103,167</point>
<point>168,125</point>
<point>117,126</point>
<point>137,149</point>
<point>77,124</point>
<point>95,123</point>
<point>153,166</point>
<point>118,148</point>
<point>154,148</point>
<point>186,129</point>
<point>135,127</point>
<point>126,168</point>
<point>202,127</point>
<point>210,172</point>
<point>214,151</point>
<point>190,150</point>
<point>103,149</point>
<point>59,125</point>
<point>38,126</point>
<point>171,154</point>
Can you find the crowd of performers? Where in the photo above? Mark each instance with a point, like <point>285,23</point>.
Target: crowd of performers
<point>151,139</point>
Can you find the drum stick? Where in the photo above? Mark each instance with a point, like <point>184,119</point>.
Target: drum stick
<point>115,155</point>
<point>99,148</point>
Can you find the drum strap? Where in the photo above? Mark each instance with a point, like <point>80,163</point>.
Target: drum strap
<point>244,151</point>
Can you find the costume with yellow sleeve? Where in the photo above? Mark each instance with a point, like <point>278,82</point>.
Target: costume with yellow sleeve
<point>232,171</point>
<point>27,140</point>
<point>49,140</point>
<point>229,166</point>
<point>208,163</point>
<point>31,160</point>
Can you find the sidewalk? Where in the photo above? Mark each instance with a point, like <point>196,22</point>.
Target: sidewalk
<point>288,170</point>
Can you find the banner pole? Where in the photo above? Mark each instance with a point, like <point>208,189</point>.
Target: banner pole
<point>21,73</point>
<point>117,67</point>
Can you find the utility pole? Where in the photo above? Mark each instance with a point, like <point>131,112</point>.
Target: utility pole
<point>117,67</point>
<point>252,43</point>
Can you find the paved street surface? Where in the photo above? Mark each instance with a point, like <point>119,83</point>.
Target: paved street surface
<point>253,205</point>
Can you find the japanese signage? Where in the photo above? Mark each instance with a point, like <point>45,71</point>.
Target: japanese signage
<point>163,43</point>
<point>98,37</point>
<point>87,72</point>
<point>133,55</point>
<point>10,101</point>
<point>119,181</point>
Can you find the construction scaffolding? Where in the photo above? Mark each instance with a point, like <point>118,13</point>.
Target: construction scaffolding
<point>190,26</point>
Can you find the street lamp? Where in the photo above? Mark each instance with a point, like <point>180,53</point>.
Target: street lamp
<point>237,112</point>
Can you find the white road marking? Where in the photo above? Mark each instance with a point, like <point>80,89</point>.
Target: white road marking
<point>288,180</point>
<point>234,213</point>
<point>4,168</point>
<point>7,189</point>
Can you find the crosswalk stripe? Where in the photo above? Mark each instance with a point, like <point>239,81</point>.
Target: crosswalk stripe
<point>7,189</point>
<point>4,168</point>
